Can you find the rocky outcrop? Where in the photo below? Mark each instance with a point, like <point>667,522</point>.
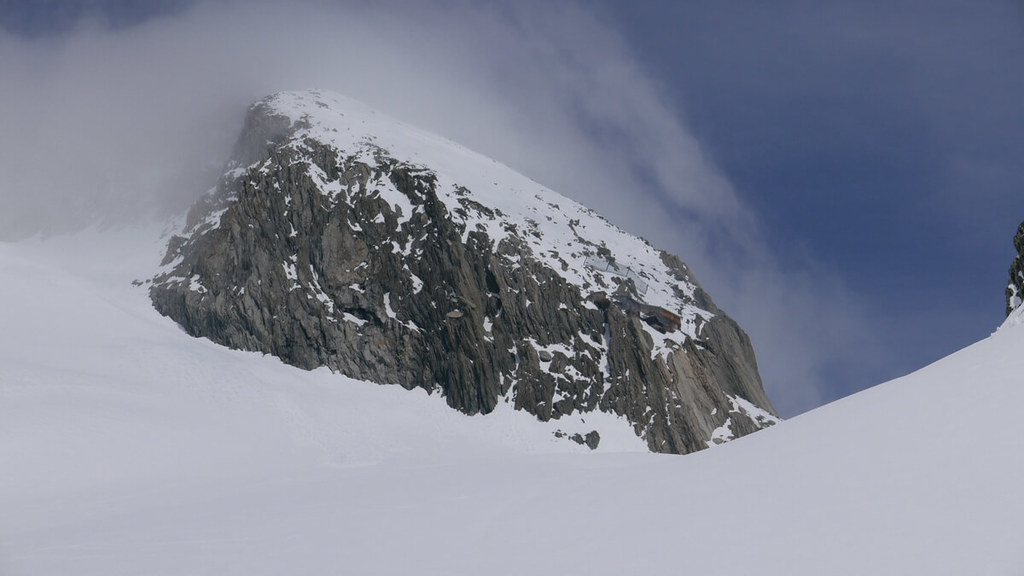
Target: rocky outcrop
<point>341,239</point>
<point>1015,289</point>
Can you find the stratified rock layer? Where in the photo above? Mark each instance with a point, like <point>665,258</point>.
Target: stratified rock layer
<point>343,239</point>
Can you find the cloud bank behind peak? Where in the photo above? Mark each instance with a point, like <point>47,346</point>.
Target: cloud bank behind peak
<point>114,123</point>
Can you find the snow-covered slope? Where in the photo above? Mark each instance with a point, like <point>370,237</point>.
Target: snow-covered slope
<point>128,447</point>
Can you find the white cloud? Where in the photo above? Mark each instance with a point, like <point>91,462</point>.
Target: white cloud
<point>106,121</point>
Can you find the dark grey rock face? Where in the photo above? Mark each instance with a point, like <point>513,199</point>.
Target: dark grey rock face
<point>1015,289</point>
<point>299,253</point>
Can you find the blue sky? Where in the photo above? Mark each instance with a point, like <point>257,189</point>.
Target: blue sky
<point>845,177</point>
<point>884,140</point>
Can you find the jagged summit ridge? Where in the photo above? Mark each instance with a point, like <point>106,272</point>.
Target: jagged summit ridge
<point>561,232</point>
<point>339,237</point>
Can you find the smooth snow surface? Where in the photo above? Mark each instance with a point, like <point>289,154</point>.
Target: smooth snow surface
<point>130,448</point>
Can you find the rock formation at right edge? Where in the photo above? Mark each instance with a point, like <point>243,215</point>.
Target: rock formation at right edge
<point>1015,289</point>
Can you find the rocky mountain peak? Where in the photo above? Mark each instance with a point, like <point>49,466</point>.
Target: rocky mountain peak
<point>341,238</point>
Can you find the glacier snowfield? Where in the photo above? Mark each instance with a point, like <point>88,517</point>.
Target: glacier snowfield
<point>128,447</point>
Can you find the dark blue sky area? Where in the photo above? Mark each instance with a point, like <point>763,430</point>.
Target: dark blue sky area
<point>883,139</point>
<point>47,17</point>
